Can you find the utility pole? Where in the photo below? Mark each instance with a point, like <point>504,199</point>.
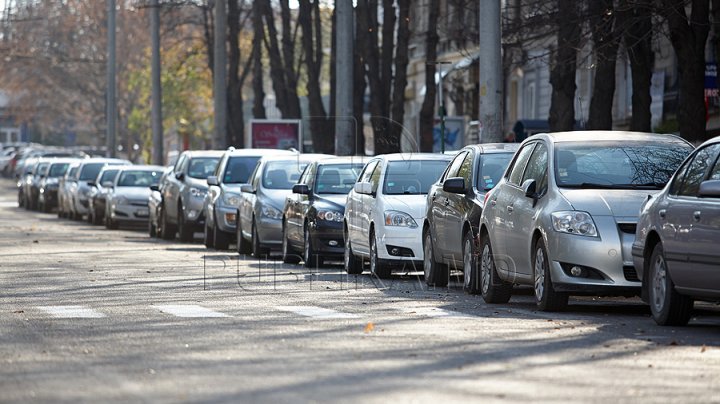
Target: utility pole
<point>345,130</point>
<point>490,66</point>
<point>158,155</point>
<point>220,75</point>
<point>111,107</point>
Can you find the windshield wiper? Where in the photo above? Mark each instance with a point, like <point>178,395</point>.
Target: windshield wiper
<point>592,185</point>
<point>589,185</point>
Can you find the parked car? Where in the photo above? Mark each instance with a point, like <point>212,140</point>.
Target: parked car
<point>98,193</point>
<point>563,217</point>
<point>32,184</point>
<point>223,196</point>
<point>127,199</point>
<point>183,194</point>
<point>454,205</point>
<point>88,171</point>
<point>313,214</point>
<point>66,187</point>
<point>155,205</point>
<point>259,211</point>
<point>385,209</point>
<point>675,252</point>
<point>48,197</point>
<point>24,176</point>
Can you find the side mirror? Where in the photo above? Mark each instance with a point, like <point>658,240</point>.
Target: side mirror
<point>302,189</point>
<point>107,184</point>
<point>530,188</point>
<point>247,188</point>
<point>180,176</point>
<point>456,185</point>
<point>92,184</point>
<point>709,189</point>
<point>364,188</point>
<point>154,188</point>
<point>212,180</point>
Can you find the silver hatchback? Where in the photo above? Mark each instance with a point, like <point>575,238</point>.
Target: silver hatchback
<point>563,217</point>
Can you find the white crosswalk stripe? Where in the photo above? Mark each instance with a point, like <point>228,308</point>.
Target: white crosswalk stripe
<point>317,312</point>
<point>189,310</point>
<point>435,312</point>
<point>71,312</point>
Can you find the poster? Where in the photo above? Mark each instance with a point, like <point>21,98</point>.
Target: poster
<point>454,133</point>
<point>275,134</point>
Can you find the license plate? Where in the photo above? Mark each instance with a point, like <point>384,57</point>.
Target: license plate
<point>142,212</point>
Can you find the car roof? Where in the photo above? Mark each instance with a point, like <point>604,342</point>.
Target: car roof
<point>142,167</point>
<point>415,156</point>
<point>259,152</point>
<point>344,160</point>
<point>607,135</point>
<point>714,140</point>
<point>204,153</point>
<point>93,160</point>
<point>298,156</point>
<point>486,148</point>
<point>61,160</point>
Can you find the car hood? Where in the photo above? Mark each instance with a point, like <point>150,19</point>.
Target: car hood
<point>133,192</point>
<point>196,183</point>
<point>414,205</point>
<point>332,201</point>
<point>622,203</point>
<point>274,197</point>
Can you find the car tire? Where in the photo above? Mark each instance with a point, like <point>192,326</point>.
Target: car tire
<point>471,275</point>
<point>310,257</point>
<point>152,231</point>
<point>353,264</point>
<point>288,255</point>
<point>21,200</point>
<point>185,232</point>
<point>667,306</point>
<point>46,208</point>
<point>546,297</point>
<point>208,235</point>
<point>110,224</point>
<point>97,219</point>
<point>90,215</point>
<point>378,266</point>
<point>167,231</point>
<point>436,274</point>
<point>492,288</point>
<point>243,246</point>
<point>221,240</point>
<point>257,249</point>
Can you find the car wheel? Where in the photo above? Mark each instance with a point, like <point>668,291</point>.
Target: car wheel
<point>353,265</point>
<point>221,240</point>
<point>110,224</point>
<point>208,235</point>
<point>257,249</point>
<point>378,267</point>
<point>436,274</point>
<point>97,217</point>
<point>311,258</point>
<point>185,232</point>
<point>546,297</point>
<point>492,288</point>
<point>288,255</point>
<point>21,200</point>
<point>152,231</point>
<point>668,307</point>
<point>90,217</point>
<point>46,207</point>
<point>471,278</point>
<point>167,232</point>
<point>243,246</point>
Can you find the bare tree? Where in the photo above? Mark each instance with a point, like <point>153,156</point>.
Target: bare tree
<point>564,65</point>
<point>603,27</point>
<point>427,111</point>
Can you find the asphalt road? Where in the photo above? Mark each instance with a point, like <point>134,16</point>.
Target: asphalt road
<point>90,315</point>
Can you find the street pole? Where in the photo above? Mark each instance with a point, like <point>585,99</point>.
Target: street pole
<point>344,128</point>
<point>158,155</point>
<point>441,112</point>
<point>111,102</point>
<point>490,66</point>
<point>220,75</point>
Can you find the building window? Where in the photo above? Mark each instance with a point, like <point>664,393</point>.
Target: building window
<point>530,101</point>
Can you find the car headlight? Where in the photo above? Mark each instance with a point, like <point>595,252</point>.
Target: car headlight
<point>121,200</point>
<point>197,192</point>
<point>270,212</point>
<point>574,222</point>
<point>395,218</point>
<point>330,215</point>
<point>231,199</point>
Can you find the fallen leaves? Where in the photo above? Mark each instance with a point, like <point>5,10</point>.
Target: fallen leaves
<point>369,327</point>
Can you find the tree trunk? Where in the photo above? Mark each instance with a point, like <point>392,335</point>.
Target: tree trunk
<point>427,111</point>
<point>360,85</point>
<point>236,121</point>
<point>562,75</point>
<point>688,37</point>
<point>606,40</point>
<point>638,42</point>
<point>277,75</point>
<point>288,42</point>
<point>258,38</point>
<point>397,130</point>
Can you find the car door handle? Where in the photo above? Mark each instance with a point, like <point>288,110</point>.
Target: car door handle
<point>696,215</point>
<point>662,213</point>
<point>447,201</point>
<point>509,208</point>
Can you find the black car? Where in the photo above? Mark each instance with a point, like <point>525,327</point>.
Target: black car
<point>98,191</point>
<point>48,197</point>
<point>454,206</point>
<point>313,214</point>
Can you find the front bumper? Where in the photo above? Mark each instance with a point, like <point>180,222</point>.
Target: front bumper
<point>270,231</point>
<point>193,211</point>
<point>327,238</point>
<point>407,242</point>
<point>226,218</point>
<point>130,212</point>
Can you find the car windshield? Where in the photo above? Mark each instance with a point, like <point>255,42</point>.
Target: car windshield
<point>491,168</point>
<point>58,169</point>
<point>239,168</point>
<point>73,172</point>
<point>42,168</point>
<point>282,174</point>
<point>108,175</point>
<point>336,178</point>
<point>412,177</point>
<point>138,178</point>
<point>629,165</point>
<point>202,167</point>
<point>90,171</point>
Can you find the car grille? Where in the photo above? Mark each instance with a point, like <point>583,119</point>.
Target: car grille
<point>630,273</point>
<point>139,203</point>
<point>627,227</point>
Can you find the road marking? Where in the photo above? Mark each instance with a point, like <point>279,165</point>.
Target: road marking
<point>189,310</point>
<point>316,312</point>
<point>436,312</point>
<point>71,312</point>
<point>8,204</point>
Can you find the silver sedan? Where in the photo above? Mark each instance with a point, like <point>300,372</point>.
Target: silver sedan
<point>563,217</point>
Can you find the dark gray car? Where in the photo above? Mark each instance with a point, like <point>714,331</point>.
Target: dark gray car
<point>676,252</point>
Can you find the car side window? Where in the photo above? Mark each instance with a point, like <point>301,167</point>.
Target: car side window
<point>255,176</point>
<point>715,172</point>
<point>367,172</point>
<point>537,165</point>
<point>454,166</point>
<point>518,167</point>
<point>696,170</point>
<point>375,177</point>
<point>465,170</point>
<point>179,163</point>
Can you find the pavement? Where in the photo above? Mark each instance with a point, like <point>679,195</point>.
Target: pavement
<point>93,315</point>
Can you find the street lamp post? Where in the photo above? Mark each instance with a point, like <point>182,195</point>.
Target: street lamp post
<point>441,100</point>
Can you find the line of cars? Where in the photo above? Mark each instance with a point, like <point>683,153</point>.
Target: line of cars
<point>577,213</point>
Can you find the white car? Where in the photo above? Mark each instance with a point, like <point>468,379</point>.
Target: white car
<point>385,209</point>
<point>128,195</point>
